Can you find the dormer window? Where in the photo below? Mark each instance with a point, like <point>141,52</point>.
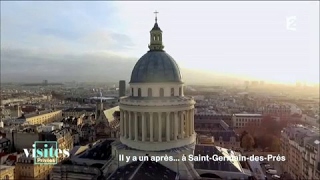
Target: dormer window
<point>132,91</point>
<point>139,92</point>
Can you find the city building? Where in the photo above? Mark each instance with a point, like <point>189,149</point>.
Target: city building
<point>41,117</point>
<point>122,88</point>
<point>156,119</point>
<point>278,110</point>
<point>5,144</point>
<point>12,111</point>
<point>243,120</point>
<point>90,160</point>
<point>7,172</point>
<point>227,118</point>
<point>62,136</point>
<point>26,169</point>
<point>220,133</point>
<point>78,111</point>
<point>301,147</point>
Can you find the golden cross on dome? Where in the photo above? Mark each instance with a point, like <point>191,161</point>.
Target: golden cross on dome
<point>156,12</point>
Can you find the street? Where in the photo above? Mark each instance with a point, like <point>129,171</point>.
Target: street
<point>275,165</point>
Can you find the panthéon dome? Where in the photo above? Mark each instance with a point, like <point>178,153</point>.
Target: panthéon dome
<point>156,66</point>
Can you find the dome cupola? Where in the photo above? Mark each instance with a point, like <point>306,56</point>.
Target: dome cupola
<point>156,66</point>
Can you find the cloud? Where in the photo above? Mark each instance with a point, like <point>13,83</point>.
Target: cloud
<point>31,66</point>
<point>244,37</point>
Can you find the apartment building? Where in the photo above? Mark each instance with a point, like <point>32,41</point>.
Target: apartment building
<point>77,112</point>
<point>7,172</point>
<point>300,146</point>
<point>278,110</point>
<point>243,120</point>
<point>26,169</point>
<point>218,131</point>
<point>41,117</point>
<point>62,136</point>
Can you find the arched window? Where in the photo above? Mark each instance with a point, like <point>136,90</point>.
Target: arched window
<point>139,92</point>
<point>154,37</point>
<point>161,92</point>
<point>149,92</point>
<point>132,91</point>
<point>172,91</point>
<point>180,91</point>
<point>159,38</point>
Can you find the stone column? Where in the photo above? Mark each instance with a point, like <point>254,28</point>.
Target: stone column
<point>125,124</point>
<point>168,126</point>
<point>181,125</point>
<point>192,123</point>
<point>160,126</point>
<point>187,124</point>
<point>176,124</point>
<point>151,126</point>
<point>121,122</point>
<point>143,127</point>
<point>135,126</point>
<point>130,126</point>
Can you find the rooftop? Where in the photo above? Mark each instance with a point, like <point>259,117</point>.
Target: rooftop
<point>226,135</point>
<point>4,167</point>
<point>80,109</point>
<point>156,67</point>
<point>30,115</point>
<point>248,115</point>
<point>231,166</point>
<point>101,151</point>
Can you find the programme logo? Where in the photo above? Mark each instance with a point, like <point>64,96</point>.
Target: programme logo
<point>46,152</point>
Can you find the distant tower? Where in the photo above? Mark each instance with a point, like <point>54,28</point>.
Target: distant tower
<point>45,82</point>
<point>18,110</point>
<point>99,108</point>
<point>122,88</point>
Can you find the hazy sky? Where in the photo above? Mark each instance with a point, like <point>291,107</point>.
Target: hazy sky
<point>239,38</point>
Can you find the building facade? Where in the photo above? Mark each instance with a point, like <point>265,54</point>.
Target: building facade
<point>301,147</point>
<point>243,120</point>
<point>7,172</point>
<point>283,111</point>
<point>217,130</point>
<point>26,169</point>
<point>42,117</point>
